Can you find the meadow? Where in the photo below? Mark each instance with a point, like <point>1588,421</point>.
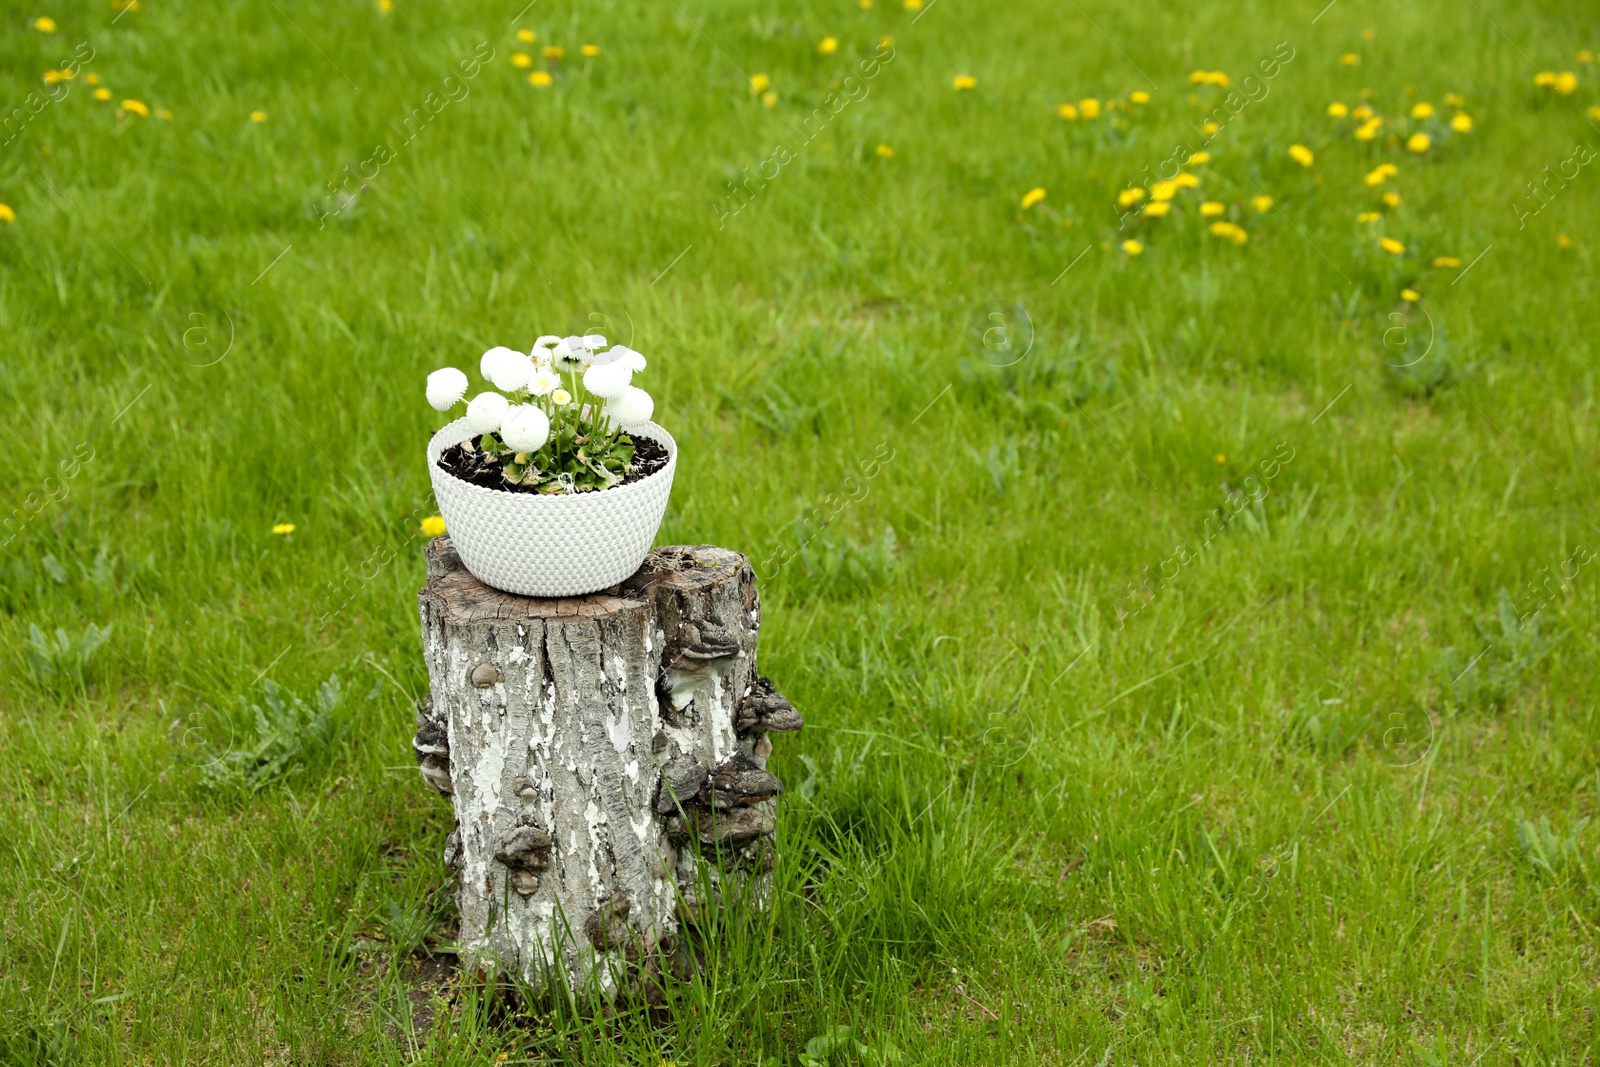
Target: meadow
<point>1191,612</point>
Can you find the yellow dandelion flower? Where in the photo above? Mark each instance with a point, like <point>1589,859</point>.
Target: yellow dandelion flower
<point>527,36</point>
<point>1208,128</point>
<point>1563,241</point>
<point>1461,122</point>
<point>6,214</point>
<point>1454,100</point>
<point>913,5</point>
<point>885,42</point>
<point>866,5</point>
<point>1410,296</point>
<point>1199,159</point>
<point>1090,107</point>
<point>1391,246</point>
<point>540,79</point>
<point>384,6</point>
<point>1186,180</point>
<point>1138,96</point>
<point>137,107</point>
<point>1212,208</point>
<point>963,82</point>
<point>1361,113</point>
<point>1130,196</point>
<point>554,51</point>
<point>1374,177</point>
<point>759,83</point>
<point>92,79</point>
<point>1388,170</point>
<point>884,152</point>
<point>258,116</point>
<point>1391,198</point>
<point>53,77</point>
<point>521,60</point>
<point>1262,204</point>
<point>828,45</point>
<point>433,526</point>
<point>1164,190</point>
<point>1301,155</point>
<point>1349,59</point>
<point>1422,110</point>
<point>102,93</point>
<point>1566,81</point>
<point>1067,111</point>
<point>1132,247</point>
<point>45,24</point>
<point>1338,110</point>
<point>1228,230</point>
<point>1197,77</point>
<point>590,50</point>
<point>1368,130</point>
<point>1446,261</point>
<point>1032,197</point>
<point>1546,78</point>
<point>1220,79</point>
<point>1418,142</point>
<point>283,529</point>
<point>769,99</point>
<point>1157,208</point>
<point>1594,113</point>
<point>1368,216</point>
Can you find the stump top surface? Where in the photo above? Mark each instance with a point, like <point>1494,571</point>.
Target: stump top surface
<point>464,599</point>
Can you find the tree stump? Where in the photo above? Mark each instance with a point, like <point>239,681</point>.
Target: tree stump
<point>606,759</point>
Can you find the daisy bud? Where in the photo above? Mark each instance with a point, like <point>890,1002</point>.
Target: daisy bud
<point>632,409</point>
<point>607,380</point>
<point>525,428</point>
<point>446,387</point>
<point>485,411</point>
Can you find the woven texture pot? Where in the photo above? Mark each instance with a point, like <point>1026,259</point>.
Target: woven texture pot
<point>536,545</point>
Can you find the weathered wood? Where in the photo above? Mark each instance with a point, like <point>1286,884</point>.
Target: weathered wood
<point>606,758</point>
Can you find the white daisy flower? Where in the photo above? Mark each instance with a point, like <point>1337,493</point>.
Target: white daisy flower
<point>446,387</point>
<point>492,359</point>
<point>632,409</point>
<point>543,380</point>
<point>594,341</point>
<point>548,340</point>
<point>485,411</point>
<point>626,356</point>
<point>607,380</point>
<point>525,428</point>
<point>569,354</point>
<point>561,397</point>
<point>511,372</point>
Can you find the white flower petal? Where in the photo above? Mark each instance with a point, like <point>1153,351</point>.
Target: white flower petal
<point>546,341</point>
<point>485,411</point>
<point>594,341</point>
<point>446,387</point>
<point>525,428</point>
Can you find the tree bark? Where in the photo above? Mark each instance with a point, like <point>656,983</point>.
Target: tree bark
<point>606,759</point>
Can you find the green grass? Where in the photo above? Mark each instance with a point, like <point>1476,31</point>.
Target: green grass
<point>1321,799</point>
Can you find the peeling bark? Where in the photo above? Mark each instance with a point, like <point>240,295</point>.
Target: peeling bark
<point>606,759</point>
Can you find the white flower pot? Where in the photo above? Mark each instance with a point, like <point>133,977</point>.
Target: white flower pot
<point>537,545</point>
